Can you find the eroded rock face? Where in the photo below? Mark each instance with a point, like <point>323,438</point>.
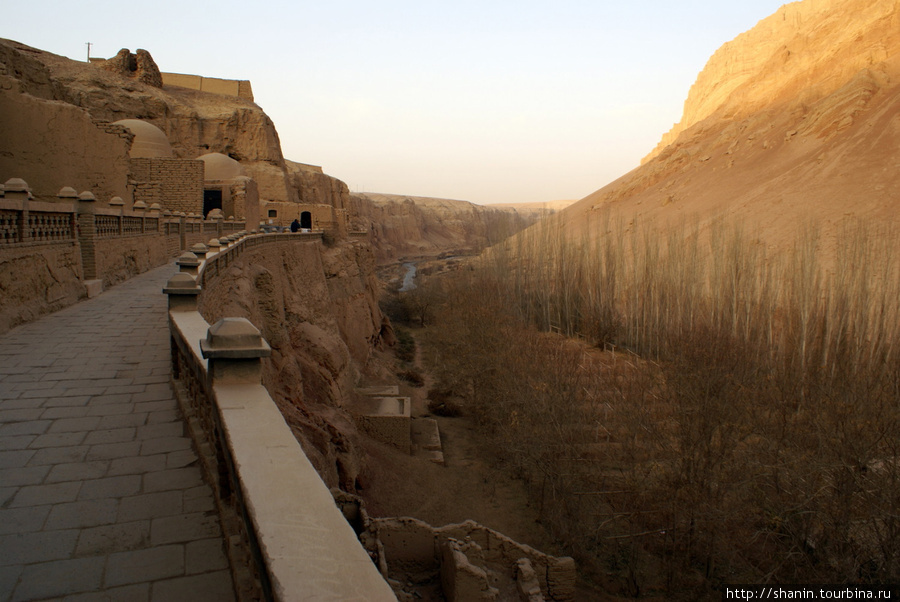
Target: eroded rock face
<point>404,226</point>
<point>316,306</point>
<point>797,56</point>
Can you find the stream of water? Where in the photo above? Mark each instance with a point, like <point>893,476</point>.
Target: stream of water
<point>409,277</point>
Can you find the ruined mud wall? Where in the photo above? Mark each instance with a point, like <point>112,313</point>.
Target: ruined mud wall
<point>316,306</point>
<point>38,279</point>
<point>228,87</point>
<point>52,144</point>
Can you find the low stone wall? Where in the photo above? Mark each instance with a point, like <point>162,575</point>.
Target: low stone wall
<point>385,419</point>
<point>118,259</point>
<point>38,278</point>
<point>298,543</point>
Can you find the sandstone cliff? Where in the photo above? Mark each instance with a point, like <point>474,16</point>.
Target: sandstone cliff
<point>317,307</point>
<point>797,119</point>
<point>801,54</point>
<point>194,121</point>
<point>405,226</point>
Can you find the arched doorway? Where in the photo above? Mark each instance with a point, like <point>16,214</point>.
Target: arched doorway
<point>306,220</point>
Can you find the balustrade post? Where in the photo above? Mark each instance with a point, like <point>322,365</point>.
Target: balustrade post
<point>87,233</point>
<point>17,189</point>
<point>182,289</point>
<point>182,234</point>
<point>234,348</point>
<point>140,209</point>
<point>119,202</point>
<point>188,263</point>
<point>67,193</point>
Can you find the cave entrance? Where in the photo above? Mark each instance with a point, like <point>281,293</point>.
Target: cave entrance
<point>306,220</point>
<point>212,199</point>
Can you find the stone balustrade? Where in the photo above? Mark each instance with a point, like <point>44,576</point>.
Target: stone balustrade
<point>24,219</point>
<point>287,538</point>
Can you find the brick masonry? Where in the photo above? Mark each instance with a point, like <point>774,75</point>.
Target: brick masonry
<point>176,184</point>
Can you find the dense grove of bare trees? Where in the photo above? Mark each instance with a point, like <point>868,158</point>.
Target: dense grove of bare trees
<point>713,413</point>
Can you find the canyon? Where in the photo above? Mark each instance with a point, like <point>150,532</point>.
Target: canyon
<point>795,121</point>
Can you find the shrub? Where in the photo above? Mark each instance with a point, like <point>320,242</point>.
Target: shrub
<point>406,346</point>
<point>413,377</point>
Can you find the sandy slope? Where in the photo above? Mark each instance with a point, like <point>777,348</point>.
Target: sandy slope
<point>797,119</point>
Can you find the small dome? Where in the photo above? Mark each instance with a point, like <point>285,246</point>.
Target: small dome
<point>221,167</point>
<point>149,141</point>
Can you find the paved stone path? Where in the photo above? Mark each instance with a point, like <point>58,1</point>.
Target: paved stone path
<point>101,494</point>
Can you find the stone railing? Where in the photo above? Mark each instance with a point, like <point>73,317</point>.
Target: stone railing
<point>226,252</point>
<point>101,232</point>
<point>24,220</point>
<point>287,538</point>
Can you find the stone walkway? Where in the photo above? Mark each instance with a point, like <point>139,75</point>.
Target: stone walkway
<point>101,494</point>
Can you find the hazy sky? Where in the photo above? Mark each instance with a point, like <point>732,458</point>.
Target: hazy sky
<point>485,101</point>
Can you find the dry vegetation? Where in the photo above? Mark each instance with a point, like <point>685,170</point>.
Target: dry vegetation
<point>729,416</point>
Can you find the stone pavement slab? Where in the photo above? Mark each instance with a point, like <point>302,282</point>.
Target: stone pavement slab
<point>101,494</point>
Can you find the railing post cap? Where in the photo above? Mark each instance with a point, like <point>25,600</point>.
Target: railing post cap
<point>214,243</point>
<point>187,259</point>
<point>87,196</point>
<point>234,338</point>
<point>67,192</point>
<point>155,207</point>
<point>182,283</point>
<point>224,241</point>
<point>139,206</point>
<point>117,201</point>
<point>16,185</point>
<point>167,213</point>
<point>199,248</point>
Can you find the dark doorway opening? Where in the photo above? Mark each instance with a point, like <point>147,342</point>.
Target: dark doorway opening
<point>306,220</point>
<point>212,199</point>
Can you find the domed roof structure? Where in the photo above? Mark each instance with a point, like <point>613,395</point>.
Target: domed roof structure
<point>221,167</point>
<point>149,141</point>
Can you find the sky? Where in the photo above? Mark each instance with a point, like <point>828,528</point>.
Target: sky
<point>487,101</point>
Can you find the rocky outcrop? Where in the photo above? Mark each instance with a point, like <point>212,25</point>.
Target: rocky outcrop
<point>139,66</point>
<point>406,226</point>
<point>129,87</point>
<point>315,187</point>
<point>317,308</point>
